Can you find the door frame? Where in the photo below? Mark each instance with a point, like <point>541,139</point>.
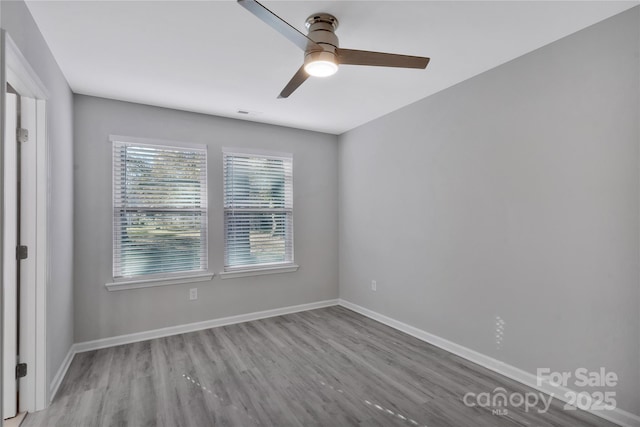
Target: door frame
<point>34,393</point>
<point>11,270</point>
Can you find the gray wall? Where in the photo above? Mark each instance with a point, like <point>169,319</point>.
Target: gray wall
<point>100,313</point>
<point>513,194</point>
<point>17,20</point>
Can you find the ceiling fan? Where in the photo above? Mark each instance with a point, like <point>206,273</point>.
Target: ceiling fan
<point>322,54</point>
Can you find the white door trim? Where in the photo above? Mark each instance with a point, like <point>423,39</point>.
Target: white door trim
<point>3,82</point>
<point>26,82</point>
<point>20,74</point>
<point>10,270</point>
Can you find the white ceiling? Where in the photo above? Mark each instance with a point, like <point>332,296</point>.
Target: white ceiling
<point>214,57</point>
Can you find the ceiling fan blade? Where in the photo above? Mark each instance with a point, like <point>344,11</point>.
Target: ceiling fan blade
<point>279,24</point>
<point>298,78</point>
<point>379,59</point>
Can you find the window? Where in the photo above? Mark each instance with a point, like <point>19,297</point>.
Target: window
<point>258,210</point>
<point>159,209</point>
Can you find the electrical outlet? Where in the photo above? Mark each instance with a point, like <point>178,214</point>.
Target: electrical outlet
<point>373,285</point>
<point>193,293</point>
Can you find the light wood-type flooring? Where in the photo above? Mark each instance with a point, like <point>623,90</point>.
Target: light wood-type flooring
<point>326,367</point>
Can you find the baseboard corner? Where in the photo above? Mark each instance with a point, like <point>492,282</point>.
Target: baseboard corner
<point>62,371</point>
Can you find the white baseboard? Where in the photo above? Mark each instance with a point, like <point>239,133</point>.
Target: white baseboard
<point>62,371</point>
<point>618,416</point>
<point>198,326</point>
<point>173,330</point>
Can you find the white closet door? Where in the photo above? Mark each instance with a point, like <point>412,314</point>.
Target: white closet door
<point>28,212</point>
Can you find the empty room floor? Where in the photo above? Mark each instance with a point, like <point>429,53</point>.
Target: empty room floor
<point>325,367</point>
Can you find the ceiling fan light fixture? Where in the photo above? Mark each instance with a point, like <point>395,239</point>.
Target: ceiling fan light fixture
<point>320,64</point>
<point>321,68</point>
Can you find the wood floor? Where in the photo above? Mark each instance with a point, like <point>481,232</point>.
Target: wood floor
<point>326,367</point>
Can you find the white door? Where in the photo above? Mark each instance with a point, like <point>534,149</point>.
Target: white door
<point>27,277</point>
<point>10,266</point>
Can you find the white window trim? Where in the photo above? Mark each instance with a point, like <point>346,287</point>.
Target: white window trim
<point>155,280</point>
<point>155,141</point>
<point>150,282</point>
<point>255,152</point>
<point>248,272</point>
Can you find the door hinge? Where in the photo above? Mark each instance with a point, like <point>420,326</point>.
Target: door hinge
<point>22,252</point>
<point>23,135</point>
<point>21,370</point>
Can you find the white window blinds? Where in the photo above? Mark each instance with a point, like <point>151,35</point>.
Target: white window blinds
<point>159,209</point>
<point>258,210</point>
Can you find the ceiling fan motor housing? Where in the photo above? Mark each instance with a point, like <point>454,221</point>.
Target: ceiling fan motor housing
<point>322,28</point>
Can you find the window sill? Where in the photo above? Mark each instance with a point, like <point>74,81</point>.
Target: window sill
<point>159,281</point>
<point>289,268</point>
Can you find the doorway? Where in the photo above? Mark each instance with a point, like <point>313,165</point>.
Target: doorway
<point>25,238</point>
<point>19,193</point>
